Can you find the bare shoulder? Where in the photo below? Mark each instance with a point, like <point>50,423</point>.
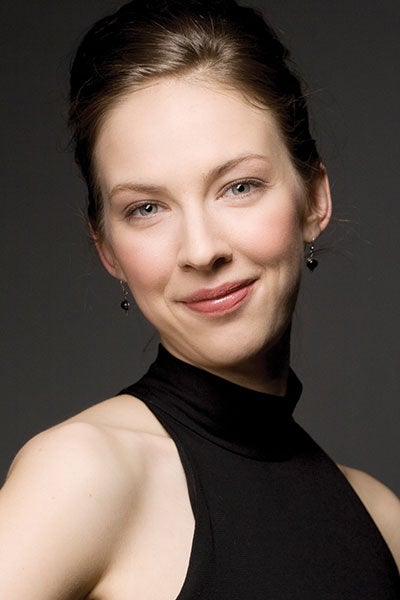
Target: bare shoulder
<point>382,504</point>
<point>99,452</point>
<point>69,494</point>
<point>72,454</point>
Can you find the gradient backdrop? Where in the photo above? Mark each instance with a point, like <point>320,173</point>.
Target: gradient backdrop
<point>64,341</point>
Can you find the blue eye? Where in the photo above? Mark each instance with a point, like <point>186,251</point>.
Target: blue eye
<point>146,210</point>
<point>243,187</point>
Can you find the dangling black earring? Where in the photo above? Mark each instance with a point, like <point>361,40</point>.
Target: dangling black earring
<point>311,262</point>
<point>125,304</point>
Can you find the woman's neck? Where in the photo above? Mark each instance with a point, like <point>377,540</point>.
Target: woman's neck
<point>267,371</point>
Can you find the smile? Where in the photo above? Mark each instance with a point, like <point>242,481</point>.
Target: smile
<point>220,300</point>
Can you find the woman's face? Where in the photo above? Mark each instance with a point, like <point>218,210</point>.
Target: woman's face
<point>205,218</point>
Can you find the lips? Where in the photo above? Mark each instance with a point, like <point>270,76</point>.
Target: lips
<point>220,300</point>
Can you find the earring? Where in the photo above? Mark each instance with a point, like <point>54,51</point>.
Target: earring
<point>125,304</point>
<point>311,262</point>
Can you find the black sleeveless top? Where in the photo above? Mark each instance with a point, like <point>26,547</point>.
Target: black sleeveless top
<point>275,519</point>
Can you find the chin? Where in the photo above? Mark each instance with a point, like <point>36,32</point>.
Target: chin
<point>241,348</point>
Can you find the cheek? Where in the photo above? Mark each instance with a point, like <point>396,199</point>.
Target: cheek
<point>147,266</point>
<point>275,235</point>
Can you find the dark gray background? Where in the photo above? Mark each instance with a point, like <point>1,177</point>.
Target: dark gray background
<point>65,343</point>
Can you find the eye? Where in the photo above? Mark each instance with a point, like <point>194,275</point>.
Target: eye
<point>146,209</point>
<point>242,188</point>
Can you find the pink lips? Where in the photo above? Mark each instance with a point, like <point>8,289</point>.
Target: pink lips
<point>220,300</point>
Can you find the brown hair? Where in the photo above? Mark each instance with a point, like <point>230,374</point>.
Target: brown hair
<point>150,39</point>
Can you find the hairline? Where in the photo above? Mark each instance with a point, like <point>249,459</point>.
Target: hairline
<point>195,74</point>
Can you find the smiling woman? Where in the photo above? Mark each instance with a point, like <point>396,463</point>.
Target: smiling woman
<point>217,264</point>
<point>204,188</point>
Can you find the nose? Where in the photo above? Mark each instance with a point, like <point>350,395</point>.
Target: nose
<point>203,246</point>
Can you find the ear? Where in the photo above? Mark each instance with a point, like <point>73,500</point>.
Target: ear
<point>106,255</point>
<point>319,207</point>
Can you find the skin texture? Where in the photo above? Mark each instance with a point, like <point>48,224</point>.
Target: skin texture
<point>97,507</point>
<point>200,233</point>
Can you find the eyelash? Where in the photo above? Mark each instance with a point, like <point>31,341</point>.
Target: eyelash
<point>130,212</point>
<point>256,183</point>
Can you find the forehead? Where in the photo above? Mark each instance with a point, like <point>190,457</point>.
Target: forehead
<point>185,124</point>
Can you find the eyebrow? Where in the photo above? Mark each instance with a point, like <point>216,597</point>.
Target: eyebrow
<point>219,171</point>
<point>141,188</point>
<point>231,164</point>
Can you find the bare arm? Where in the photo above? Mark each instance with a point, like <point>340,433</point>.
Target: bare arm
<point>382,504</point>
<point>61,514</point>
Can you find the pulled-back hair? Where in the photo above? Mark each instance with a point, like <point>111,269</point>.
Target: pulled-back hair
<point>146,40</point>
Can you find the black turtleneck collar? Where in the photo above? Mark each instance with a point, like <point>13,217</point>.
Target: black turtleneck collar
<point>254,424</point>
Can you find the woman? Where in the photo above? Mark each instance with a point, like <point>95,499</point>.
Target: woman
<point>204,188</point>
